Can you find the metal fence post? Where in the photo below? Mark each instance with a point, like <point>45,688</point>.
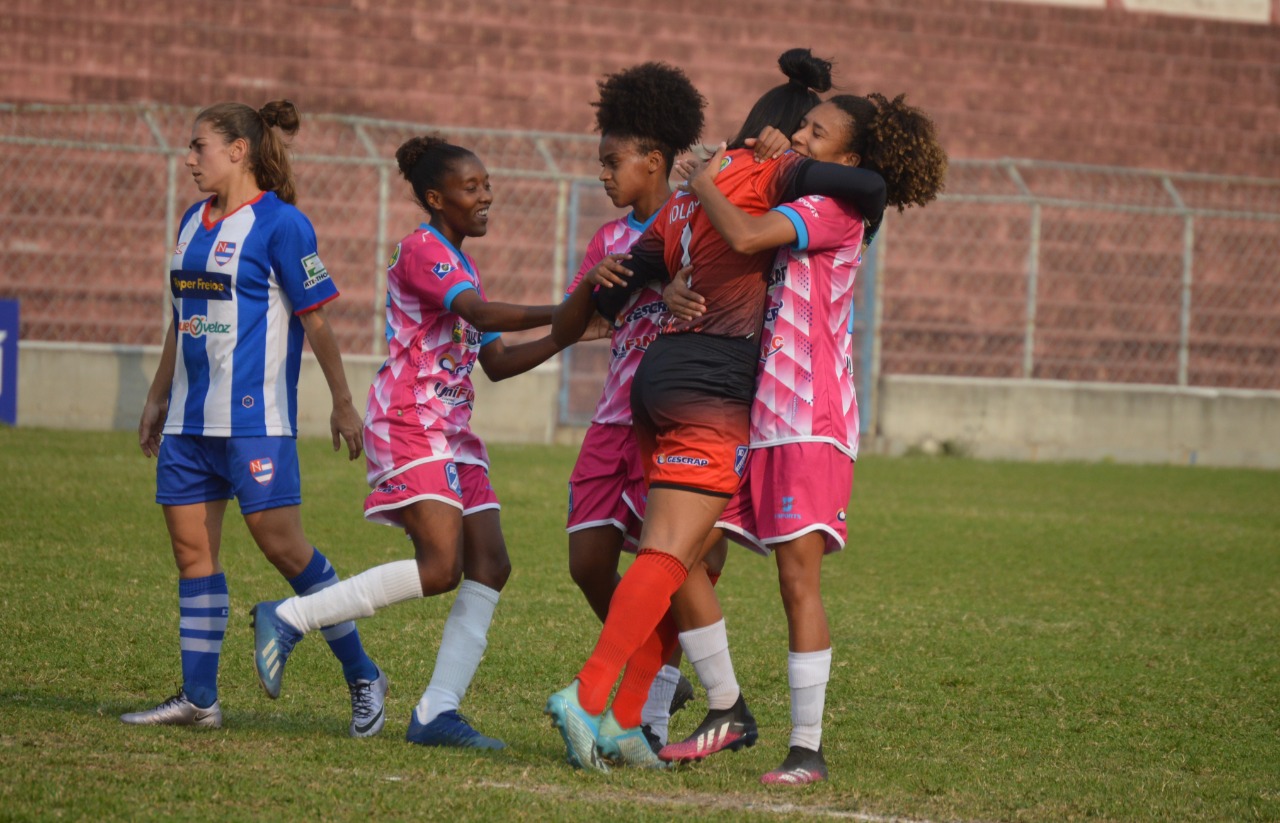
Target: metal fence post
<point>1033,281</point>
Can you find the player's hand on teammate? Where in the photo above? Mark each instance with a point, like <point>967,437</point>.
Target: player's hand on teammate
<point>683,302</point>
<point>598,329</point>
<point>345,424</point>
<point>150,426</point>
<point>610,272</point>
<point>769,145</point>
<point>699,173</point>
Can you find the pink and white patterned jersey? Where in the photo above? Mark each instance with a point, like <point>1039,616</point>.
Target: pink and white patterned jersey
<point>420,403</point>
<point>638,324</point>
<point>806,388</point>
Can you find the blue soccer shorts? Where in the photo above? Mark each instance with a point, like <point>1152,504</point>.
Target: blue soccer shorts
<point>260,472</point>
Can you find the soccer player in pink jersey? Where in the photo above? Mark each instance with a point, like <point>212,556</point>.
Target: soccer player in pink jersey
<point>646,115</point>
<point>804,419</point>
<point>427,469</point>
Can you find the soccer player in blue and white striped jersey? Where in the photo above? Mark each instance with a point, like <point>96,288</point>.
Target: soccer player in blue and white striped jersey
<point>246,287</point>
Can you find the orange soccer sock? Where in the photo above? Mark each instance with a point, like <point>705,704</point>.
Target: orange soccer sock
<point>639,603</point>
<point>642,668</point>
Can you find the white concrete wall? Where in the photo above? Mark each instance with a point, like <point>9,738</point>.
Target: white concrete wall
<point>102,387</point>
<point>1050,420</point>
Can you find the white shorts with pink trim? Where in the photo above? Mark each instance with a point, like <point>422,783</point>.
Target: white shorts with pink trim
<point>464,485</point>
<point>607,484</point>
<point>791,490</point>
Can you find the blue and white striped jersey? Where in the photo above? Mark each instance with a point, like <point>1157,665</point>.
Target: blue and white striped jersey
<point>237,287</point>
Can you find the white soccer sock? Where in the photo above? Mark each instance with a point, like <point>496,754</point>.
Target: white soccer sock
<point>353,598</point>
<point>708,650</point>
<point>656,713</point>
<point>808,673</point>
<point>462,644</point>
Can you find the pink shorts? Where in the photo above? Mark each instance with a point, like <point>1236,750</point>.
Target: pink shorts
<point>465,485</point>
<point>607,484</point>
<point>789,491</point>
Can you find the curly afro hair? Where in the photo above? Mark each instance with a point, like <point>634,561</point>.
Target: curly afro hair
<point>653,104</point>
<point>898,141</point>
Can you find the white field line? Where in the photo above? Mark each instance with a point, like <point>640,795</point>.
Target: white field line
<point>703,802</point>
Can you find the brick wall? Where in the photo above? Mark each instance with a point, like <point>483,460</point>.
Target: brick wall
<point>1102,86</point>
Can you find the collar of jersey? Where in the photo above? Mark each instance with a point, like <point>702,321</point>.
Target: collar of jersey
<point>637,225</point>
<point>204,214</point>
<point>466,264</point>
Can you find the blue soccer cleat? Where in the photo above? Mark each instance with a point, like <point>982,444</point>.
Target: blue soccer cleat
<point>449,729</point>
<point>637,747</point>
<point>578,728</point>
<point>273,639</point>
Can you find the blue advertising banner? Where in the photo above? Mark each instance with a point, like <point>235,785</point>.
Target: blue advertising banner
<point>9,362</point>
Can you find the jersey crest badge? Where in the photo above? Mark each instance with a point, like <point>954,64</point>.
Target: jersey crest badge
<point>724,163</point>
<point>441,269</point>
<point>223,252</point>
<point>262,470</point>
<point>395,257</point>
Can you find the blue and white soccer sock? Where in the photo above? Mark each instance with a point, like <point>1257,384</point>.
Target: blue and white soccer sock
<point>657,709</point>
<point>808,674</point>
<point>202,622</point>
<point>343,638</point>
<point>707,649</point>
<point>465,637</point>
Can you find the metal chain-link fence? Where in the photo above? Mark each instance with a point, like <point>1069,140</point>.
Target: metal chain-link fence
<point>1022,269</point>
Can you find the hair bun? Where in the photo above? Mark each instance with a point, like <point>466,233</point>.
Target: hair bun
<point>280,114</point>
<point>803,69</point>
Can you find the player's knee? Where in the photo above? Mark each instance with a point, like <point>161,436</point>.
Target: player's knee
<point>438,579</point>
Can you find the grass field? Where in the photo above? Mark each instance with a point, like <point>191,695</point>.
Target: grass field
<point>1012,642</point>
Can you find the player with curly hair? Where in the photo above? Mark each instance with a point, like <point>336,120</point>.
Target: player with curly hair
<point>690,401</point>
<point>804,419</point>
<point>646,115</point>
<point>428,471</point>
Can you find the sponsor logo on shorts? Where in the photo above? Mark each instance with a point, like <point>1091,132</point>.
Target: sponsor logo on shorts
<point>197,325</point>
<point>840,515</point>
<point>451,476</point>
<point>570,498</point>
<point>785,510</point>
<point>442,269</point>
<point>224,252</point>
<point>316,272</point>
<point>262,470</point>
<point>391,488</point>
<point>680,460</point>
<point>740,460</point>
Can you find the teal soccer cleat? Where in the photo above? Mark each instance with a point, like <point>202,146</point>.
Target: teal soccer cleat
<point>578,728</point>
<point>273,639</point>
<point>637,747</point>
